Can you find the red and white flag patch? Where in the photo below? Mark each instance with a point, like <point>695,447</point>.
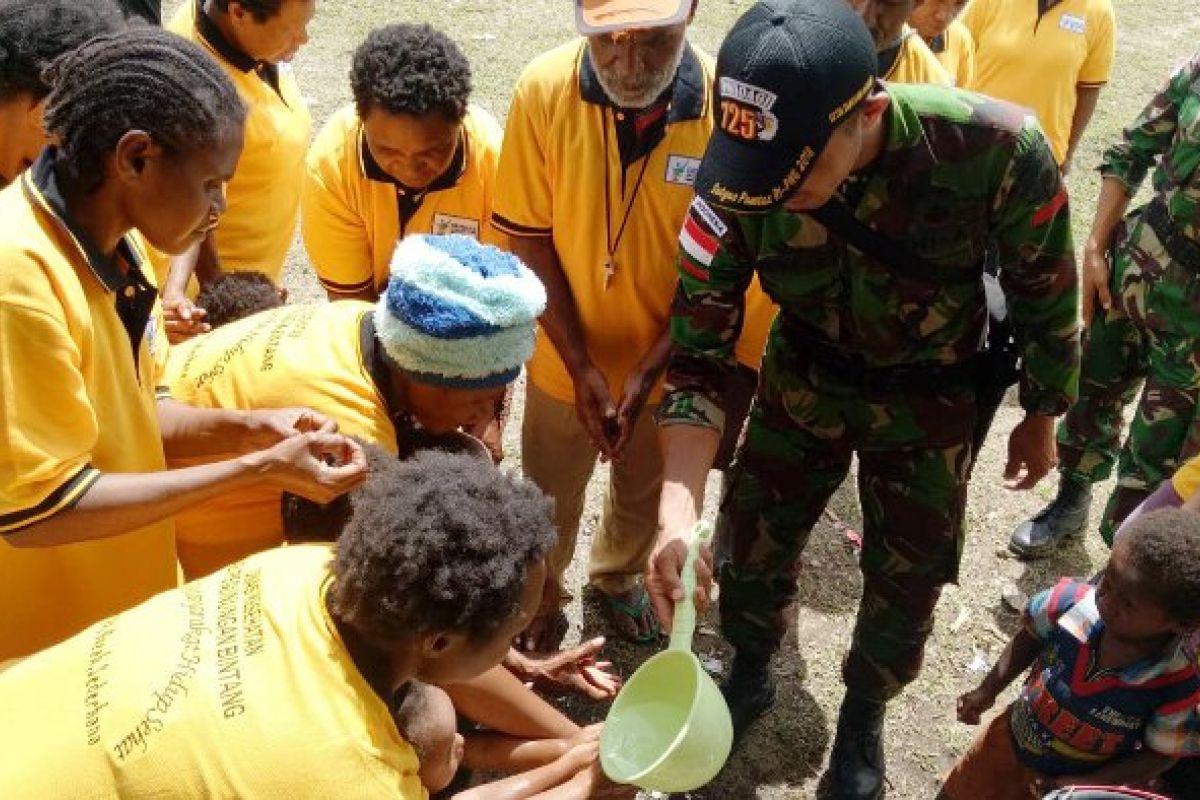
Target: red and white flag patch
<point>700,239</point>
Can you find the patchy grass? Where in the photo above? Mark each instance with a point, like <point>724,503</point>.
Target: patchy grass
<point>784,756</point>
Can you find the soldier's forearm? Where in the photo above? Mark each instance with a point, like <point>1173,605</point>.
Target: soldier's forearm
<point>688,453</point>
<point>1110,208</point>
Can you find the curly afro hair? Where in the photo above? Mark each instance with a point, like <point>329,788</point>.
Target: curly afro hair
<point>33,33</point>
<point>411,69</point>
<point>237,295</point>
<point>307,521</point>
<point>438,543</point>
<point>142,78</point>
<point>1164,547</point>
<point>260,10</point>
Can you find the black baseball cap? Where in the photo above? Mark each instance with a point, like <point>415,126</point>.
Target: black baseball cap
<point>787,73</point>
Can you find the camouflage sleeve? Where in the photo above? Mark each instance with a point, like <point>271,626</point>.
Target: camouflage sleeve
<point>1151,134</point>
<point>715,268</point>
<point>1037,272</point>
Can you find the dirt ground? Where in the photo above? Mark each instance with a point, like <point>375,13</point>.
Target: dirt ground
<point>784,755</point>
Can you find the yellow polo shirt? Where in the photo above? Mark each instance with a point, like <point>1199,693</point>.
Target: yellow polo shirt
<point>264,196</point>
<point>322,356</point>
<point>1186,479</point>
<point>560,159</point>
<point>916,63</point>
<point>350,209</point>
<point>1039,61</point>
<point>79,342</point>
<point>955,49</point>
<point>236,686</point>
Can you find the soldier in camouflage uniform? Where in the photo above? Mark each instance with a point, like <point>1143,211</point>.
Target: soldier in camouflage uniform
<point>1147,324</point>
<point>870,355</point>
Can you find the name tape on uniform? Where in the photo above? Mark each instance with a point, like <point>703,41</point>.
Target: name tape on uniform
<point>1072,23</point>
<point>444,224</point>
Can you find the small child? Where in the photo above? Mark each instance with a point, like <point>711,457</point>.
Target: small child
<point>1112,695</point>
<point>551,769</point>
<point>938,24</point>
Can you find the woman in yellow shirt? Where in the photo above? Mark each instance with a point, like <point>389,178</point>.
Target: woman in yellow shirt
<point>148,130</point>
<point>274,677</point>
<point>254,42</point>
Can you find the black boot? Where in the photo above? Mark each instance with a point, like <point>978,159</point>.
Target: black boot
<point>749,691</point>
<point>1063,519</point>
<point>856,765</point>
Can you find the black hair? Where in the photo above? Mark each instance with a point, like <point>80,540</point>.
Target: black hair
<point>413,713</point>
<point>306,520</point>
<point>142,78</point>
<point>33,33</point>
<point>438,543</point>
<point>1164,547</point>
<point>260,10</point>
<point>237,295</point>
<point>411,69</point>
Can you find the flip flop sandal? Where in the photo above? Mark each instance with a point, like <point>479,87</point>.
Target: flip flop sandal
<point>636,610</point>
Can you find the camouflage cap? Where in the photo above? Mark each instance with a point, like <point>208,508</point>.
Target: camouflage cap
<point>787,73</point>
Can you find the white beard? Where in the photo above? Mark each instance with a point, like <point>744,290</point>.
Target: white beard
<point>640,97</point>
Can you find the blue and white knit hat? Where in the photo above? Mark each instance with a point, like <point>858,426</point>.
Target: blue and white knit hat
<point>458,313</point>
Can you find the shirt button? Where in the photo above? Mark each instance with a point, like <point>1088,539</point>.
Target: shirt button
<point>130,292</point>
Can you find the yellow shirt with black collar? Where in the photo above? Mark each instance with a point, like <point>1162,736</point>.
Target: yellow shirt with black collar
<point>264,196</point>
<point>79,340</point>
<point>1037,58</point>
<point>560,160</point>
<point>955,50</point>
<point>235,686</point>
<point>323,356</point>
<point>351,210</point>
<point>916,63</point>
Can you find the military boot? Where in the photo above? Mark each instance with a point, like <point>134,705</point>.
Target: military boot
<point>749,691</point>
<point>1063,519</point>
<point>856,765</point>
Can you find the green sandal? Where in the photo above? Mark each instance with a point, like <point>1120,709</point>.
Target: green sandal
<point>636,610</point>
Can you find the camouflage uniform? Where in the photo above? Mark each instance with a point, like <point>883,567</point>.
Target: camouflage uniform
<point>865,360</point>
<point>1152,329</point>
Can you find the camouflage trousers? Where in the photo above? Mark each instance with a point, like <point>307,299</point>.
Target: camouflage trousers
<point>914,460</point>
<point>1152,335</point>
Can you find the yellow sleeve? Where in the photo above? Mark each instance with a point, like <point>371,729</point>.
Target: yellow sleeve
<point>1097,67</point>
<point>975,17</point>
<point>1186,479</point>
<point>523,204</point>
<point>966,58</point>
<point>490,138</point>
<point>335,234</point>
<point>47,426</point>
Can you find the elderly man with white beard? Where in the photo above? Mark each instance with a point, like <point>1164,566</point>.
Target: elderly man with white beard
<point>603,140</point>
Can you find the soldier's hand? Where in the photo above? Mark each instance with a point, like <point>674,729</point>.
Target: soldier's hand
<point>1096,274</point>
<point>664,578</point>
<point>1031,452</point>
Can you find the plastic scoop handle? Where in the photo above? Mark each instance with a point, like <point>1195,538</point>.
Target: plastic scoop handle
<point>683,624</point>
